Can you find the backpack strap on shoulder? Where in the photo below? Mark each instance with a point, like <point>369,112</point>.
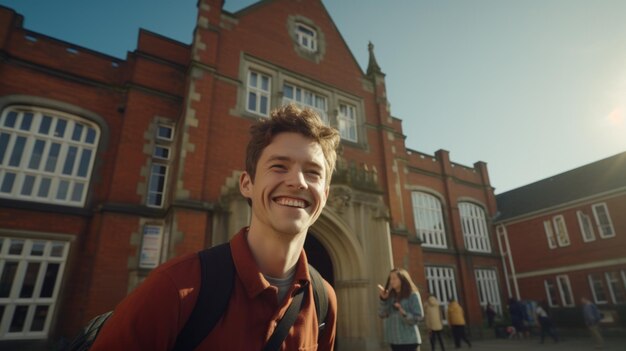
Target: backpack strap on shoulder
<point>217,280</point>
<point>319,296</point>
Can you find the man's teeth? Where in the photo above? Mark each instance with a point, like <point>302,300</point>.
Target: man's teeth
<point>291,202</point>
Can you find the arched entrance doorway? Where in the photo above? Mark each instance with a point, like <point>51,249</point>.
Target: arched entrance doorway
<point>319,258</point>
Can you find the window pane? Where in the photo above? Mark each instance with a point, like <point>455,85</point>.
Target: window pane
<point>53,156</point>
<point>85,159</point>
<point>164,132</point>
<point>57,249</point>
<point>10,120</point>
<point>16,247</point>
<point>30,278</point>
<point>6,280</point>
<point>18,149</point>
<point>39,319</point>
<point>37,248</point>
<point>35,157</point>
<point>59,131</point>
<point>265,83</point>
<point>91,136</point>
<point>27,120</point>
<point>253,78</point>
<point>162,152</point>
<point>44,187</point>
<point>68,168</point>
<point>62,191</point>
<point>27,187</point>
<point>7,183</point>
<point>4,142</point>
<point>263,107</point>
<point>77,193</point>
<point>78,132</point>
<point>252,101</point>
<point>49,280</point>
<point>19,317</point>
<point>288,92</point>
<point>44,127</point>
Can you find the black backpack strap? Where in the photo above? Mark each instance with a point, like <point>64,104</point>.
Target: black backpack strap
<point>319,296</point>
<point>218,277</point>
<point>282,329</point>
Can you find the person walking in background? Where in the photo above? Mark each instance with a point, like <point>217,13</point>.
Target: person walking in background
<point>592,320</point>
<point>456,320</point>
<point>518,316</point>
<point>434,325</point>
<point>541,315</point>
<point>401,309</point>
<point>491,314</point>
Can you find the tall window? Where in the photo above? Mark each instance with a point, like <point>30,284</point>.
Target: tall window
<point>605,226</point>
<point>586,228</point>
<point>306,98</point>
<point>30,276</point>
<point>488,290</point>
<point>562,237</point>
<point>306,37</point>
<point>428,219</point>
<point>551,293</point>
<point>347,122</point>
<point>616,281</point>
<point>441,283</point>
<point>474,227</point>
<point>565,290</point>
<point>46,156</point>
<point>596,283</point>
<point>159,166</point>
<point>547,226</point>
<point>258,93</point>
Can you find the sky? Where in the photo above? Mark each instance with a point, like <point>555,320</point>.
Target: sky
<point>533,88</point>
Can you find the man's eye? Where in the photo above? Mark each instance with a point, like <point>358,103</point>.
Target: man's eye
<point>278,167</point>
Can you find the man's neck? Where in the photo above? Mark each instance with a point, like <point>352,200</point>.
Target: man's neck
<point>275,253</point>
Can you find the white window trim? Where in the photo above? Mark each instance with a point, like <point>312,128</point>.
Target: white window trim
<point>601,225</point>
<point>562,236</point>
<point>546,284</point>
<point>159,137</point>
<point>73,181</point>
<point>158,157</point>
<point>347,123</point>
<point>617,281</point>
<point>586,227</point>
<point>547,226</point>
<point>474,227</point>
<point>34,301</point>
<point>428,209</point>
<point>323,112</point>
<point>594,292</point>
<point>441,283</point>
<point>258,92</point>
<point>562,281</point>
<point>301,36</point>
<point>487,283</point>
<point>151,179</point>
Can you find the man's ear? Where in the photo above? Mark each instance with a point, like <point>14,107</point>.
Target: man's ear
<point>245,185</point>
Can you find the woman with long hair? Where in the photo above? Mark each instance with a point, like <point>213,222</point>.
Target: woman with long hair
<point>401,308</point>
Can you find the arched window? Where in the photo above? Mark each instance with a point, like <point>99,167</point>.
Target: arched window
<point>306,36</point>
<point>474,227</point>
<point>46,155</point>
<point>428,220</point>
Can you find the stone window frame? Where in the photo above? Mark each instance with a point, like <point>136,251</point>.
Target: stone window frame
<point>279,76</point>
<point>292,28</point>
<point>259,93</point>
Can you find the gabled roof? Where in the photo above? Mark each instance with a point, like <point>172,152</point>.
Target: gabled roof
<point>591,179</point>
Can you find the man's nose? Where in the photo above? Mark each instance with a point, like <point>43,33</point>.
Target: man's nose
<point>296,179</point>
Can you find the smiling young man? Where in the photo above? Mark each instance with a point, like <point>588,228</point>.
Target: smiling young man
<point>289,162</point>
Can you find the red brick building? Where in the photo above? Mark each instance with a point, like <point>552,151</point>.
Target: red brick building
<point>562,239</point>
<point>109,167</point>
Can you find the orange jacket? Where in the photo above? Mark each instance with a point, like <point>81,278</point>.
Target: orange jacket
<point>151,317</point>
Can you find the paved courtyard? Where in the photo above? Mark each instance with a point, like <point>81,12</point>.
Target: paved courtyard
<point>572,343</point>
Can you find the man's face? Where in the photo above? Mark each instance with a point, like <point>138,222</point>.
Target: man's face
<point>289,190</point>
